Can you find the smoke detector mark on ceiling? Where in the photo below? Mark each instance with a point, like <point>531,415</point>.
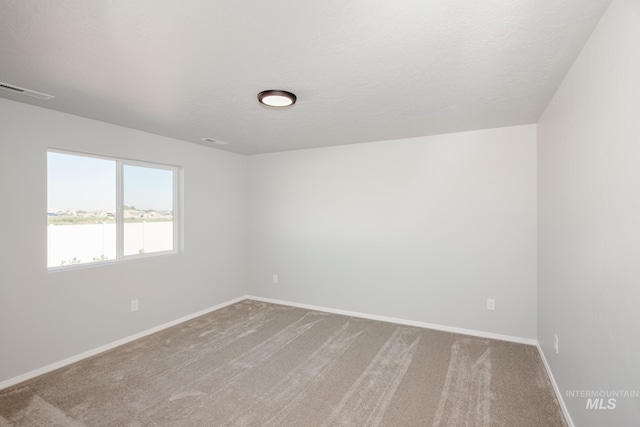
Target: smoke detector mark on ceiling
<point>23,91</point>
<point>214,141</point>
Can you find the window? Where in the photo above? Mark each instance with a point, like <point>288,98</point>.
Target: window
<point>104,209</point>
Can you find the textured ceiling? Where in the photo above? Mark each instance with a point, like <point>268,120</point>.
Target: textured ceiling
<point>362,70</point>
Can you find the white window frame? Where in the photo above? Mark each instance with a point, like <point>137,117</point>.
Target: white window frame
<point>120,164</point>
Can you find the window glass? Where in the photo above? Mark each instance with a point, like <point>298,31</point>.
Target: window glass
<point>147,210</point>
<point>81,209</point>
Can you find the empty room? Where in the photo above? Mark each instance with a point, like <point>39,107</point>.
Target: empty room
<point>297,213</point>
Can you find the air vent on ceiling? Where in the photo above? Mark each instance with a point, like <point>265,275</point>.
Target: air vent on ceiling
<point>214,141</point>
<point>23,91</point>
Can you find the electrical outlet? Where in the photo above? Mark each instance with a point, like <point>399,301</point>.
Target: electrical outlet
<point>275,278</point>
<point>134,305</point>
<point>555,343</point>
<point>491,304</point>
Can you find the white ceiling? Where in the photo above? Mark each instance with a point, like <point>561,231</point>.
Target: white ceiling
<point>362,70</point>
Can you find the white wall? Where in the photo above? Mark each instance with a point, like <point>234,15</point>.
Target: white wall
<point>46,317</point>
<point>589,220</point>
<point>423,229</point>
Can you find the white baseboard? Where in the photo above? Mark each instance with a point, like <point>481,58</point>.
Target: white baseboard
<point>455,330</point>
<point>101,349</point>
<point>564,408</point>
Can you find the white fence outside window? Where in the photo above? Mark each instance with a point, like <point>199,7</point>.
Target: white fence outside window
<point>93,242</point>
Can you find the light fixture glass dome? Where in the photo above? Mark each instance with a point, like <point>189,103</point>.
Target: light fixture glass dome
<point>277,98</point>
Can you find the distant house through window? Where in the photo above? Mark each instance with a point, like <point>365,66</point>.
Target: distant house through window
<point>102,209</point>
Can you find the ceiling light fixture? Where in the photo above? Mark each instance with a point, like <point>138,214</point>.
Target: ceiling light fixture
<point>277,98</point>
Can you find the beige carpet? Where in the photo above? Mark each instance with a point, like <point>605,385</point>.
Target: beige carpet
<point>258,364</point>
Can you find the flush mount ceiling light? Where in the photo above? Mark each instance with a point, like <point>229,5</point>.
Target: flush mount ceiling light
<point>277,98</point>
